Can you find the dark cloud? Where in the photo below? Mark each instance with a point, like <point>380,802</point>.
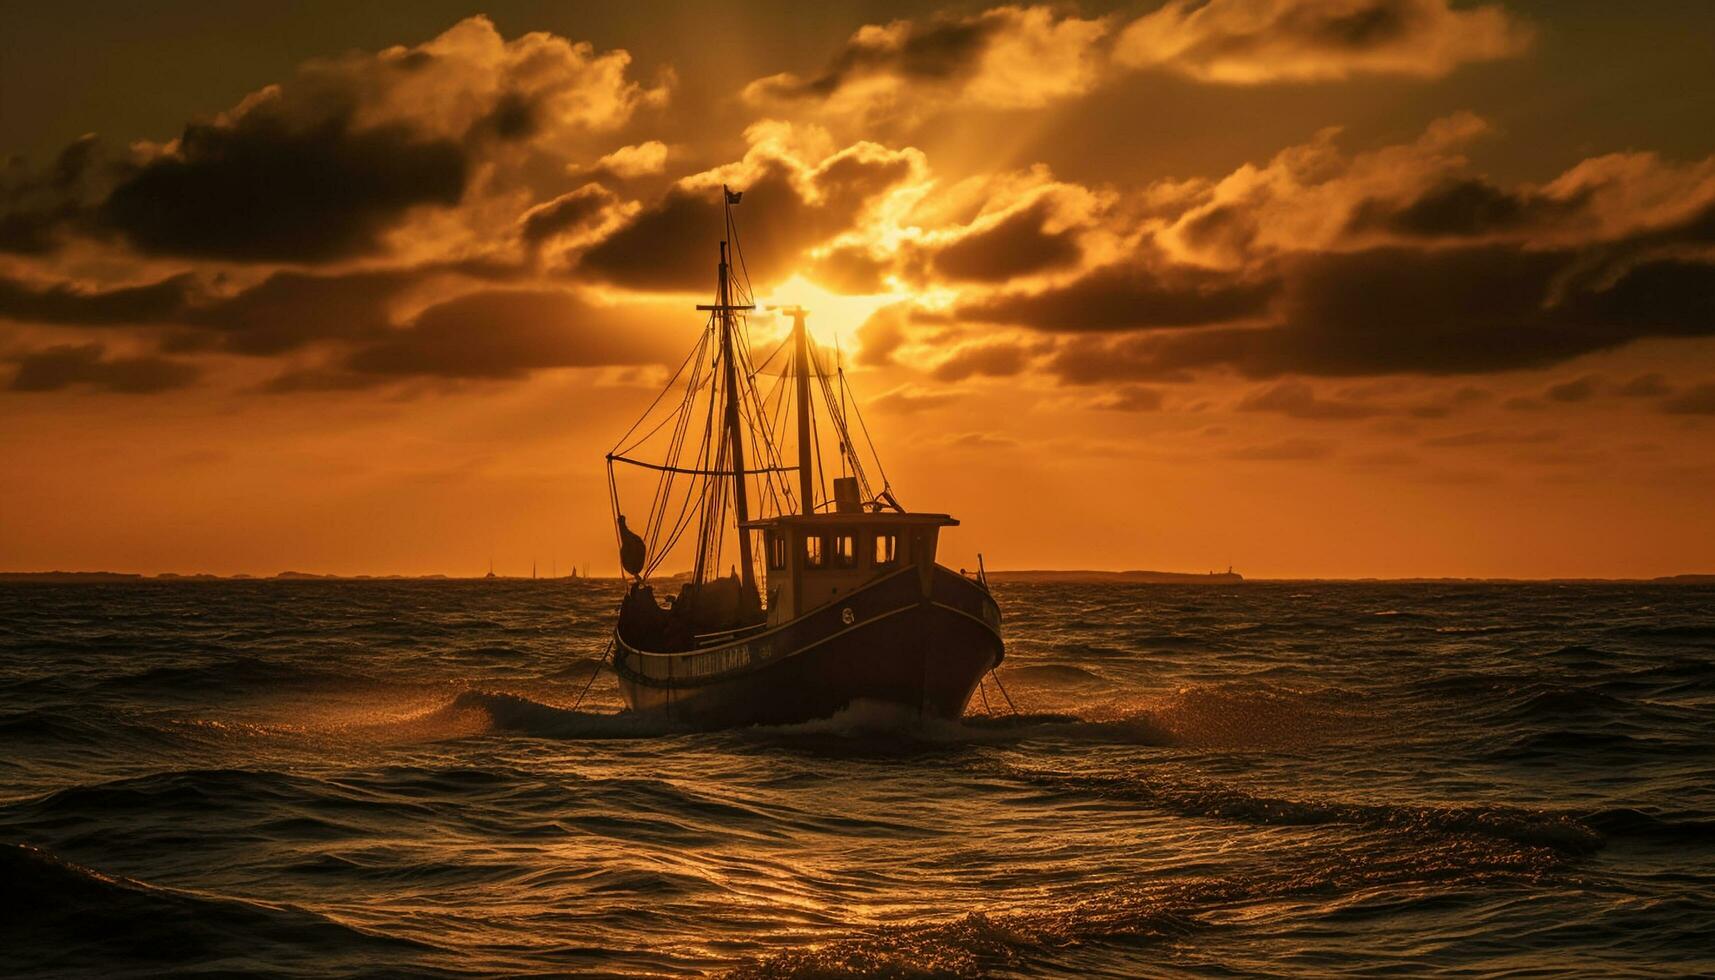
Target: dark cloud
<point>36,206</point>
<point>1697,400</point>
<point>1576,390</point>
<point>68,365</point>
<point>670,245</point>
<point>265,188</point>
<point>62,304</point>
<point>1099,360</point>
<point>1247,42</point>
<point>999,360</point>
<point>1446,404</point>
<point>882,334</point>
<point>1417,311</point>
<point>575,211</point>
<point>940,50</point>
<point>508,334</point>
<point>1128,297</point>
<point>1465,208</point>
<point>291,310</point>
<point>1662,297</point>
<point>1650,385</point>
<point>1017,245</point>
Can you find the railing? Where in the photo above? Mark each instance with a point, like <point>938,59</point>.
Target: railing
<point>722,636</point>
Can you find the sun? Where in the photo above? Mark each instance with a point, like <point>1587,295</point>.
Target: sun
<point>833,317</point>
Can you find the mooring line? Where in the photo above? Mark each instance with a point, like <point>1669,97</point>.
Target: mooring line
<point>593,673</point>
<point>1002,687</point>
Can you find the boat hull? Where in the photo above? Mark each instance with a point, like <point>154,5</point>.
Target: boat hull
<point>922,642</point>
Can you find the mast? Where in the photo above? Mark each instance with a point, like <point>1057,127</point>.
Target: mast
<point>735,433</point>
<point>724,308</point>
<point>805,481</point>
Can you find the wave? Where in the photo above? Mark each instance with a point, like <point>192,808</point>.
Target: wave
<point>1058,674</point>
<point>580,668</point>
<point>1670,632</point>
<point>238,673</point>
<point>1577,743</point>
<point>1012,940</point>
<point>60,916</point>
<point>1626,822</point>
<point>195,791</point>
<point>1190,795</point>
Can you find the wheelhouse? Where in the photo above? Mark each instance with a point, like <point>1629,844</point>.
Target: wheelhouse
<point>813,559</point>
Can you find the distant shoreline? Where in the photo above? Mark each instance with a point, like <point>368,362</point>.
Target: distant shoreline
<point>1046,576</point>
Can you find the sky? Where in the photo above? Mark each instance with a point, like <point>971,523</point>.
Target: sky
<point>1318,289</point>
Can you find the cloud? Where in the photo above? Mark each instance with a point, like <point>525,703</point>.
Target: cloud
<point>1313,196</point>
<point>266,188</point>
<point>1298,400</point>
<point>1128,296</point>
<point>1249,42</point>
<point>1132,398</point>
<point>1696,400</point>
<point>908,399</point>
<point>61,303</point>
<point>631,162</point>
<point>797,195</point>
<point>1432,312</point>
<point>69,365</point>
<point>509,333</point>
<point>1026,57</point>
<point>883,333</point>
<point>1650,385</point>
<point>999,359</point>
<point>574,214</point>
<point>36,207</point>
<point>327,164</point>
<point>1008,246</point>
<point>1004,58</point>
<point>288,311</point>
<point>1575,390</point>
<point>1467,208</point>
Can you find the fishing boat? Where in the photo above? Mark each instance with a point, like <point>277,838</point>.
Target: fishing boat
<point>833,595</point>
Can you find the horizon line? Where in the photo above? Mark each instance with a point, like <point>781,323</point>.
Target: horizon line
<point>1229,578</point>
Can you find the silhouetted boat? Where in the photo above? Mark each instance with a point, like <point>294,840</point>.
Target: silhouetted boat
<point>847,603</point>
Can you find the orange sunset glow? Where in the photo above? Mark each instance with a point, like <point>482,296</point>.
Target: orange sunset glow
<point>1414,288</point>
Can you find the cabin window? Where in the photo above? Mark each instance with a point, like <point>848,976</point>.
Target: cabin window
<point>886,549</point>
<point>776,550</point>
<point>845,551</point>
<point>813,555</point>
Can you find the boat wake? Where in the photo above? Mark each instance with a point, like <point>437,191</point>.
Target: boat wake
<point>476,712</point>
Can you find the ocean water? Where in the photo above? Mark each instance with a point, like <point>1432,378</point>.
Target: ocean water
<point>387,778</point>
